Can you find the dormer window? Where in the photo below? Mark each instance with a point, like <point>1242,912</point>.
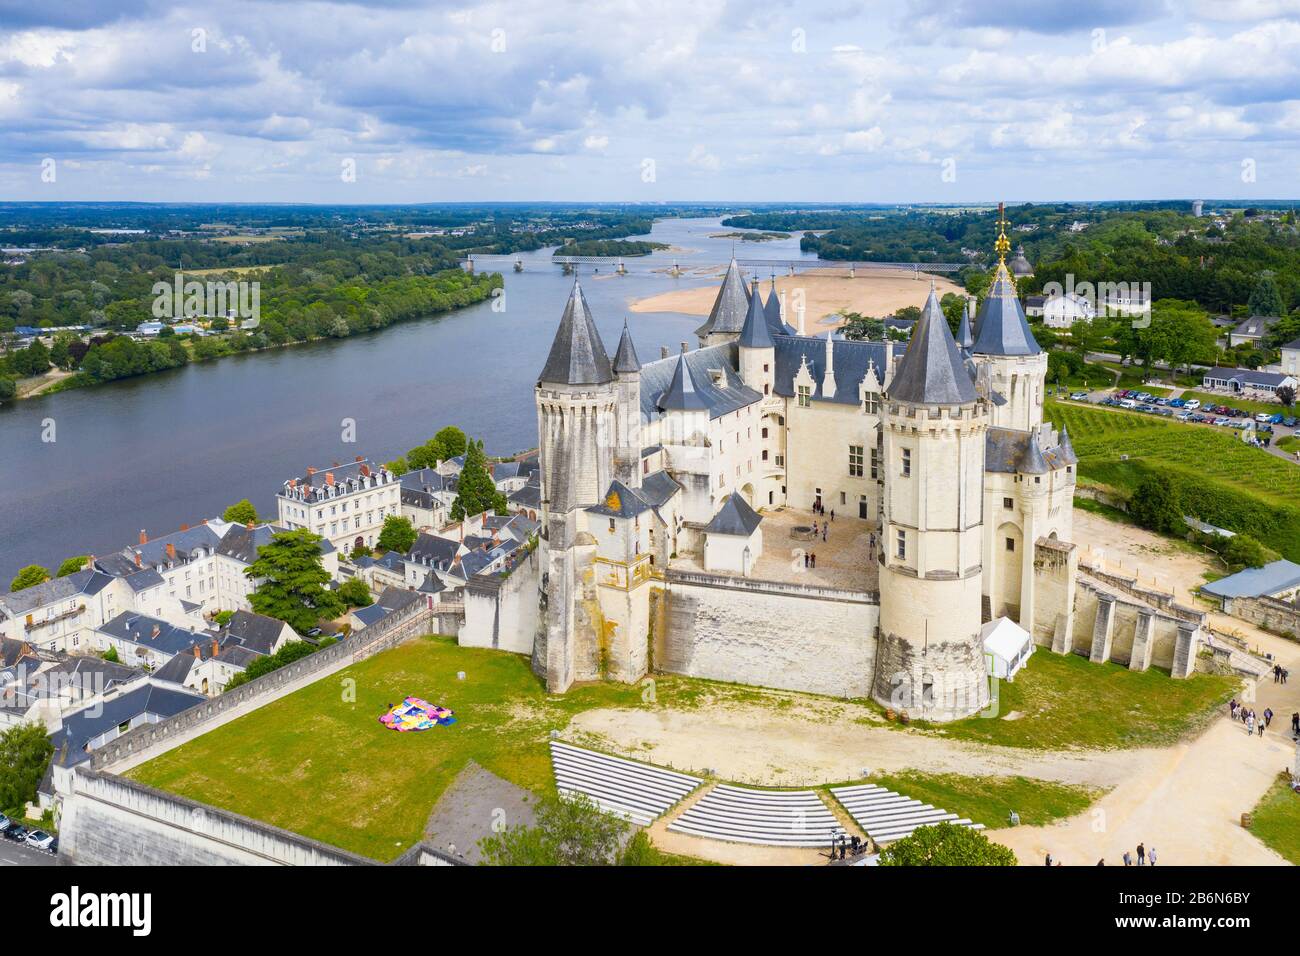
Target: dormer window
<point>719,377</point>
<point>805,396</point>
<point>871,403</point>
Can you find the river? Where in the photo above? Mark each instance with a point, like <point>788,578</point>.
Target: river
<point>172,448</point>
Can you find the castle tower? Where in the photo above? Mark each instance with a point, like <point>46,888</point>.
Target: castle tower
<point>757,350</point>
<point>727,317</point>
<point>627,378</point>
<point>1003,342</point>
<point>775,314</point>
<point>929,660</point>
<point>576,399</point>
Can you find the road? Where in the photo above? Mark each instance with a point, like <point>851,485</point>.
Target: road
<point>14,854</point>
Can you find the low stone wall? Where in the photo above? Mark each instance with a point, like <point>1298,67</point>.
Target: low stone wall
<point>1281,617</point>
<point>149,740</point>
<point>111,821</point>
<point>1162,600</point>
<point>768,633</point>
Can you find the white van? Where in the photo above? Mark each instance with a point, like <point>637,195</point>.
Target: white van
<point>1192,404</point>
<point>1128,403</point>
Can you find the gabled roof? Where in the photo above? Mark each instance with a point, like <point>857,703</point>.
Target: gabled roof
<point>657,378</point>
<point>735,517</point>
<point>139,629</point>
<point>756,334</point>
<point>850,358</point>
<point>658,487</point>
<point>1010,452</point>
<point>620,501</point>
<point>85,581</point>
<point>1001,328</point>
<point>102,715</point>
<point>1257,582</point>
<point>257,632</point>
<point>681,394</point>
<point>932,371</point>
<point>577,355</point>
<point>625,360</point>
<point>729,308</point>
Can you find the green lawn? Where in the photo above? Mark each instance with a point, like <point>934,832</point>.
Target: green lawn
<point>321,765</point>
<point>1059,702</point>
<point>1222,480</point>
<point>989,800</point>
<point>1276,820</point>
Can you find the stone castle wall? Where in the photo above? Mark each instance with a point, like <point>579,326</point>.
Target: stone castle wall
<point>769,634</point>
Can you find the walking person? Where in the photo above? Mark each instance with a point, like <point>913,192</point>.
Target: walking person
<point>832,514</point>
<point>1295,724</point>
<point>1142,855</point>
<point>1250,725</point>
<point>1128,858</point>
<point>1268,716</point>
<point>1151,856</point>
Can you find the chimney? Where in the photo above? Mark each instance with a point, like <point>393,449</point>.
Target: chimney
<point>663,351</point>
<point>138,562</point>
<point>156,631</point>
<point>171,551</point>
<point>799,315</point>
<point>310,472</point>
<point>185,527</point>
<point>90,561</point>
<point>197,653</point>
<point>144,538</point>
<point>215,647</point>
<point>686,346</point>
<point>358,459</point>
<point>329,477</point>
<point>204,521</point>
<point>250,526</point>
<point>365,471</point>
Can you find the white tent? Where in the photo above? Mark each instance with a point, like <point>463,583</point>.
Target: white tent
<point>1007,647</point>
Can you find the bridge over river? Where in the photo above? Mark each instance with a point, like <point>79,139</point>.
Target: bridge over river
<point>619,265</point>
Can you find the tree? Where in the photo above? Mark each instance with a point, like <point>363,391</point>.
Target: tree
<point>398,534</point>
<point>354,593</point>
<point>570,831</point>
<point>1286,395</point>
<point>8,389</point>
<point>946,844</point>
<point>110,655</point>
<point>1265,299</point>
<point>25,752</point>
<point>1155,505</point>
<point>294,580</point>
<point>29,576</point>
<point>241,512</point>
<point>476,492</point>
<point>293,651</point>
<point>72,565</point>
<point>398,466</point>
<point>861,327</point>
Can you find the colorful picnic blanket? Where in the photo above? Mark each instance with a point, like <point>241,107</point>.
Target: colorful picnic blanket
<point>416,714</point>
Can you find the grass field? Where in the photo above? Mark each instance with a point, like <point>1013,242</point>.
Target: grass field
<point>1223,480</point>
<point>989,800</point>
<point>1059,702</point>
<point>1276,820</point>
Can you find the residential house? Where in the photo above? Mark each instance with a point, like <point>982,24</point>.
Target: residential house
<point>346,504</point>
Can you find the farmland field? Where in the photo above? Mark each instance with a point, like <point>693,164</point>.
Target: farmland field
<point>1221,479</point>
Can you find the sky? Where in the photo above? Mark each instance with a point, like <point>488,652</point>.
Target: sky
<point>380,101</point>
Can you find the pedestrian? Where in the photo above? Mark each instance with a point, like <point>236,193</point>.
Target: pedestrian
<point>1250,726</point>
<point>1261,727</point>
<point>1277,673</point>
<point>805,559</point>
<point>832,514</point>
<point>1151,856</point>
<point>1128,858</point>
<point>1295,724</point>
<point>1232,708</point>
<point>825,528</point>
<point>1142,855</point>
<point>1286,673</point>
<point>1268,716</point>
<point>813,557</point>
<point>1049,859</point>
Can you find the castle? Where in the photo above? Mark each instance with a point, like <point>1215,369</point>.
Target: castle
<point>654,476</point>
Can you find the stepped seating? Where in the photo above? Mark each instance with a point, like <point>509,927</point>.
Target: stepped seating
<point>634,791</point>
<point>794,818</point>
<point>887,816</point>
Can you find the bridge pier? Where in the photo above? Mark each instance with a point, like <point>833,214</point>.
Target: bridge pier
<point>853,270</point>
<point>568,268</point>
<point>676,270</point>
<point>469,266</point>
<point>621,268</point>
<point>519,265</point>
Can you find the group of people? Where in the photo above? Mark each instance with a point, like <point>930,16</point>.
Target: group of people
<point>847,846</point>
<point>819,509</point>
<point>1256,724</point>
<point>1144,856</point>
<point>1280,674</point>
<point>810,559</point>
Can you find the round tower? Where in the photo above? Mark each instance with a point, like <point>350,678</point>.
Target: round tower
<point>929,657</point>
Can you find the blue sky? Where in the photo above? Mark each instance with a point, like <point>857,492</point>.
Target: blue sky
<point>882,100</point>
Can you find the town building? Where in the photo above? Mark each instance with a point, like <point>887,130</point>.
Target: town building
<point>345,504</point>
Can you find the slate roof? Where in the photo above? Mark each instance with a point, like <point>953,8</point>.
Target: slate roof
<point>87,581</point>
<point>343,473</point>
<point>1020,264</point>
<point>735,517</point>
<point>1293,344</point>
<point>1256,326</point>
<point>390,601</point>
<point>625,360</point>
<point>431,584</point>
<point>1001,327</point>
<point>257,632</point>
<point>177,669</point>
<point>1256,582</point>
<point>1011,452</point>
<point>657,377</point>
<point>91,673</point>
<point>850,358</point>
<point>138,628</point>
<point>529,496</point>
<point>932,371</point>
<point>241,542</point>
<point>756,333</point>
<point>577,355</point>
<point>620,501</point>
<point>81,727</point>
<point>965,340</point>
<point>681,394</point>
<point>434,551</point>
<point>773,311</point>
<point>731,304</point>
<point>198,538</point>
<point>658,487</point>
<point>1246,376</point>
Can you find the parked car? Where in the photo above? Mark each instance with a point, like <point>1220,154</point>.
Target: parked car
<point>1221,421</point>
<point>16,832</point>
<point>1192,403</point>
<point>39,840</point>
<point>1290,422</point>
<point>4,823</point>
<point>1128,403</point>
<point>1276,418</point>
<point>1078,396</point>
<point>1184,416</point>
<point>1177,403</point>
<point>1262,417</point>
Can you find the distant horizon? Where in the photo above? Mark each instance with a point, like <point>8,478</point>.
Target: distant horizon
<point>665,203</point>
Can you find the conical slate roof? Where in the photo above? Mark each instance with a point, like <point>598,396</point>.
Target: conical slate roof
<point>577,355</point>
<point>1066,448</point>
<point>1020,265</point>
<point>729,308</point>
<point>734,517</point>
<point>681,394</point>
<point>1001,328</point>
<point>625,360</point>
<point>932,371</point>
<point>1033,462</point>
<point>964,338</point>
<point>756,334</point>
<point>773,311</point>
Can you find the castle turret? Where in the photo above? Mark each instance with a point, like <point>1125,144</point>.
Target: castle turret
<point>929,659</point>
<point>627,385</point>
<point>775,317</point>
<point>727,317</point>
<point>576,400</point>
<point>1003,342</point>
<point>757,350</point>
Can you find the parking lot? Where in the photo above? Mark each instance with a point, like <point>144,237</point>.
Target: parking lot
<point>1267,427</point>
<point>22,845</point>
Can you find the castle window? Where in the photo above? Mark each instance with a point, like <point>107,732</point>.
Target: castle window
<point>765,367</point>
<point>611,525</point>
<point>907,462</point>
<point>875,463</point>
<point>902,545</point>
<point>1011,544</point>
<point>1008,503</point>
<point>805,396</point>
<point>855,461</point>
<point>764,432</point>
<point>765,454</point>
<point>872,403</point>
